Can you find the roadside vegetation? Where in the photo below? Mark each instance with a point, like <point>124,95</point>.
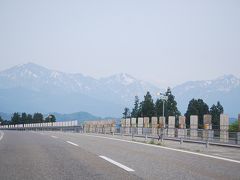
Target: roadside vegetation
<point>25,118</point>
<point>149,108</point>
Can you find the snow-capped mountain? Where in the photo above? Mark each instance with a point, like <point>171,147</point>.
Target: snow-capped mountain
<point>74,92</point>
<point>31,88</point>
<point>126,87</point>
<point>224,83</point>
<point>225,89</point>
<point>35,77</point>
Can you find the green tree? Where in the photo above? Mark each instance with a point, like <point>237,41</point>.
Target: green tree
<point>159,107</point>
<point>5,122</point>
<point>29,119</point>
<point>148,109</point>
<point>24,118</point>
<point>140,109</point>
<point>126,113</point>
<point>1,120</point>
<point>16,119</point>
<point>199,108</point>
<point>170,106</point>
<point>38,118</point>
<point>234,126</point>
<point>135,110</point>
<point>216,111</point>
<point>50,118</point>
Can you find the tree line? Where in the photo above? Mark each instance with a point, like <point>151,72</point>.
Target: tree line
<point>24,118</point>
<point>149,108</point>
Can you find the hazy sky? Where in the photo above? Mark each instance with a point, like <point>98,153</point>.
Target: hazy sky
<point>165,42</point>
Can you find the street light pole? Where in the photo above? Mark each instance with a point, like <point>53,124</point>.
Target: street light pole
<point>163,107</point>
<point>164,98</point>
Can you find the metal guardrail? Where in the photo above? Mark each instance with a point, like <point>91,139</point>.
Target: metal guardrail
<point>52,126</point>
<point>187,135</point>
<point>37,125</point>
<point>209,136</point>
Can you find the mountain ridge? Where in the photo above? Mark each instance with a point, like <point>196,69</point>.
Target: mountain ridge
<point>113,92</point>
<point>225,89</point>
<point>30,87</point>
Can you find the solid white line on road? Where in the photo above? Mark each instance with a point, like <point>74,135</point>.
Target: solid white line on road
<point>2,133</point>
<point>117,164</point>
<point>72,143</point>
<point>162,147</point>
<point>224,156</point>
<point>54,137</point>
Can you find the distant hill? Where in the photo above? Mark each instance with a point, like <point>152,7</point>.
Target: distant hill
<point>5,116</point>
<point>80,116</point>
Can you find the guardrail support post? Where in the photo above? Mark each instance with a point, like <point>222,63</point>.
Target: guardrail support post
<point>193,127</point>
<point>238,137</point>
<point>207,143</point>
<point>224,126</point>
<point>181,140</point>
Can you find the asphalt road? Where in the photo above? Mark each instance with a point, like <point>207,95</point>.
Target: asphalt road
<point>58,155</point>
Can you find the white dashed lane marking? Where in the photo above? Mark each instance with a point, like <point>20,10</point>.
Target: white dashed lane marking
<point>54,137</point>
<point>117,164</point>
<point>72,143</point>
<point>1,135</point>
<point>168,148</point>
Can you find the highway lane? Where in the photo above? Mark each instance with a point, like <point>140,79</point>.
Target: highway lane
<point>58,155</point>
<point>27,155</point>
<point>155,163</point>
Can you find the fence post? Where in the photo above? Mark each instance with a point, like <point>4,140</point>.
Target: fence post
<point>193,127</point>
<point>207,132</point>
<point>182,131</point>
<point>171,126</point>
<point>123,125</point>
<point>162,125</point>
<point>145,125</point>
<point>224,126</point>
<point>181,140</point>
<point>238,137</point>
<point>207,143</point>
<point>146,137</point>
<point>128,125</point>
<point>154,126</point>
<point>238,133</point>
<point>239,122</point>
<point>140,125</point>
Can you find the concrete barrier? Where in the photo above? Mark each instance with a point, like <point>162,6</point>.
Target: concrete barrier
<point>140,126</point>
<point>239,122</point>
<point>182,131</point>
<point>128,126</point>
<point>154,125</point>
<point>207,127</point>
<point>133,122</point>
<point>146,122</point>
<point>171,126</point>
<point>194,127</point>
<point>224,126</point>
<point>162,122</point>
